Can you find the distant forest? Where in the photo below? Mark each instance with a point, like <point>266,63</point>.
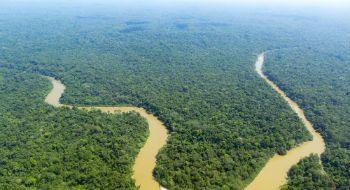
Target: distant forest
<point>194,69</point>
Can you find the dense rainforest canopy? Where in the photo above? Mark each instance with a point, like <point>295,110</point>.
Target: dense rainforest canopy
<point>308,174</point>
<point>318,79</point>
<point>194,70</point>
<point>47,148</point>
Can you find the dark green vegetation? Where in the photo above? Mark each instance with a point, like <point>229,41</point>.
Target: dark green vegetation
<point>308,175</point>
<point>194,70</point>
<point>42,147</point>
<point>225,121</point>
<point>317,77</point>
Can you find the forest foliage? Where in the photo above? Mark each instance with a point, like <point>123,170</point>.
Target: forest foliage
<point>42,147</point>
<point>308,174</point>
<point>195,71</point>
<point>318,78</point>
<point>225,122</point>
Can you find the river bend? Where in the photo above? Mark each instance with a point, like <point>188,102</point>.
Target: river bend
<point>274,173</point>
<point>272,176</point>
<point>145,161</point>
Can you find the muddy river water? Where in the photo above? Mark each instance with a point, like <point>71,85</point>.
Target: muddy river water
<point>274,173</point>
<point>146,159</point>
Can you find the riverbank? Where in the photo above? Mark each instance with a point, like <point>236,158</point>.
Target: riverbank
<point>274,173</point>
<point>145,161</point>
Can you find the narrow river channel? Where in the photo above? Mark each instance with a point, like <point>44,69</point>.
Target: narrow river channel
<point>271,177</point>
<point>146,159</point>
<point>274,173</point>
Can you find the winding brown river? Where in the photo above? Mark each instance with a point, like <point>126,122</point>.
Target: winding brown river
<point>146,159</point>
<point>274,173</point>
<point>271,177</point>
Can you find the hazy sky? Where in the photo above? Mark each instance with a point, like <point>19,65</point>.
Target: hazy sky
<point>312,3</point>
<point>334,6</point>
<point>308,3</point>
